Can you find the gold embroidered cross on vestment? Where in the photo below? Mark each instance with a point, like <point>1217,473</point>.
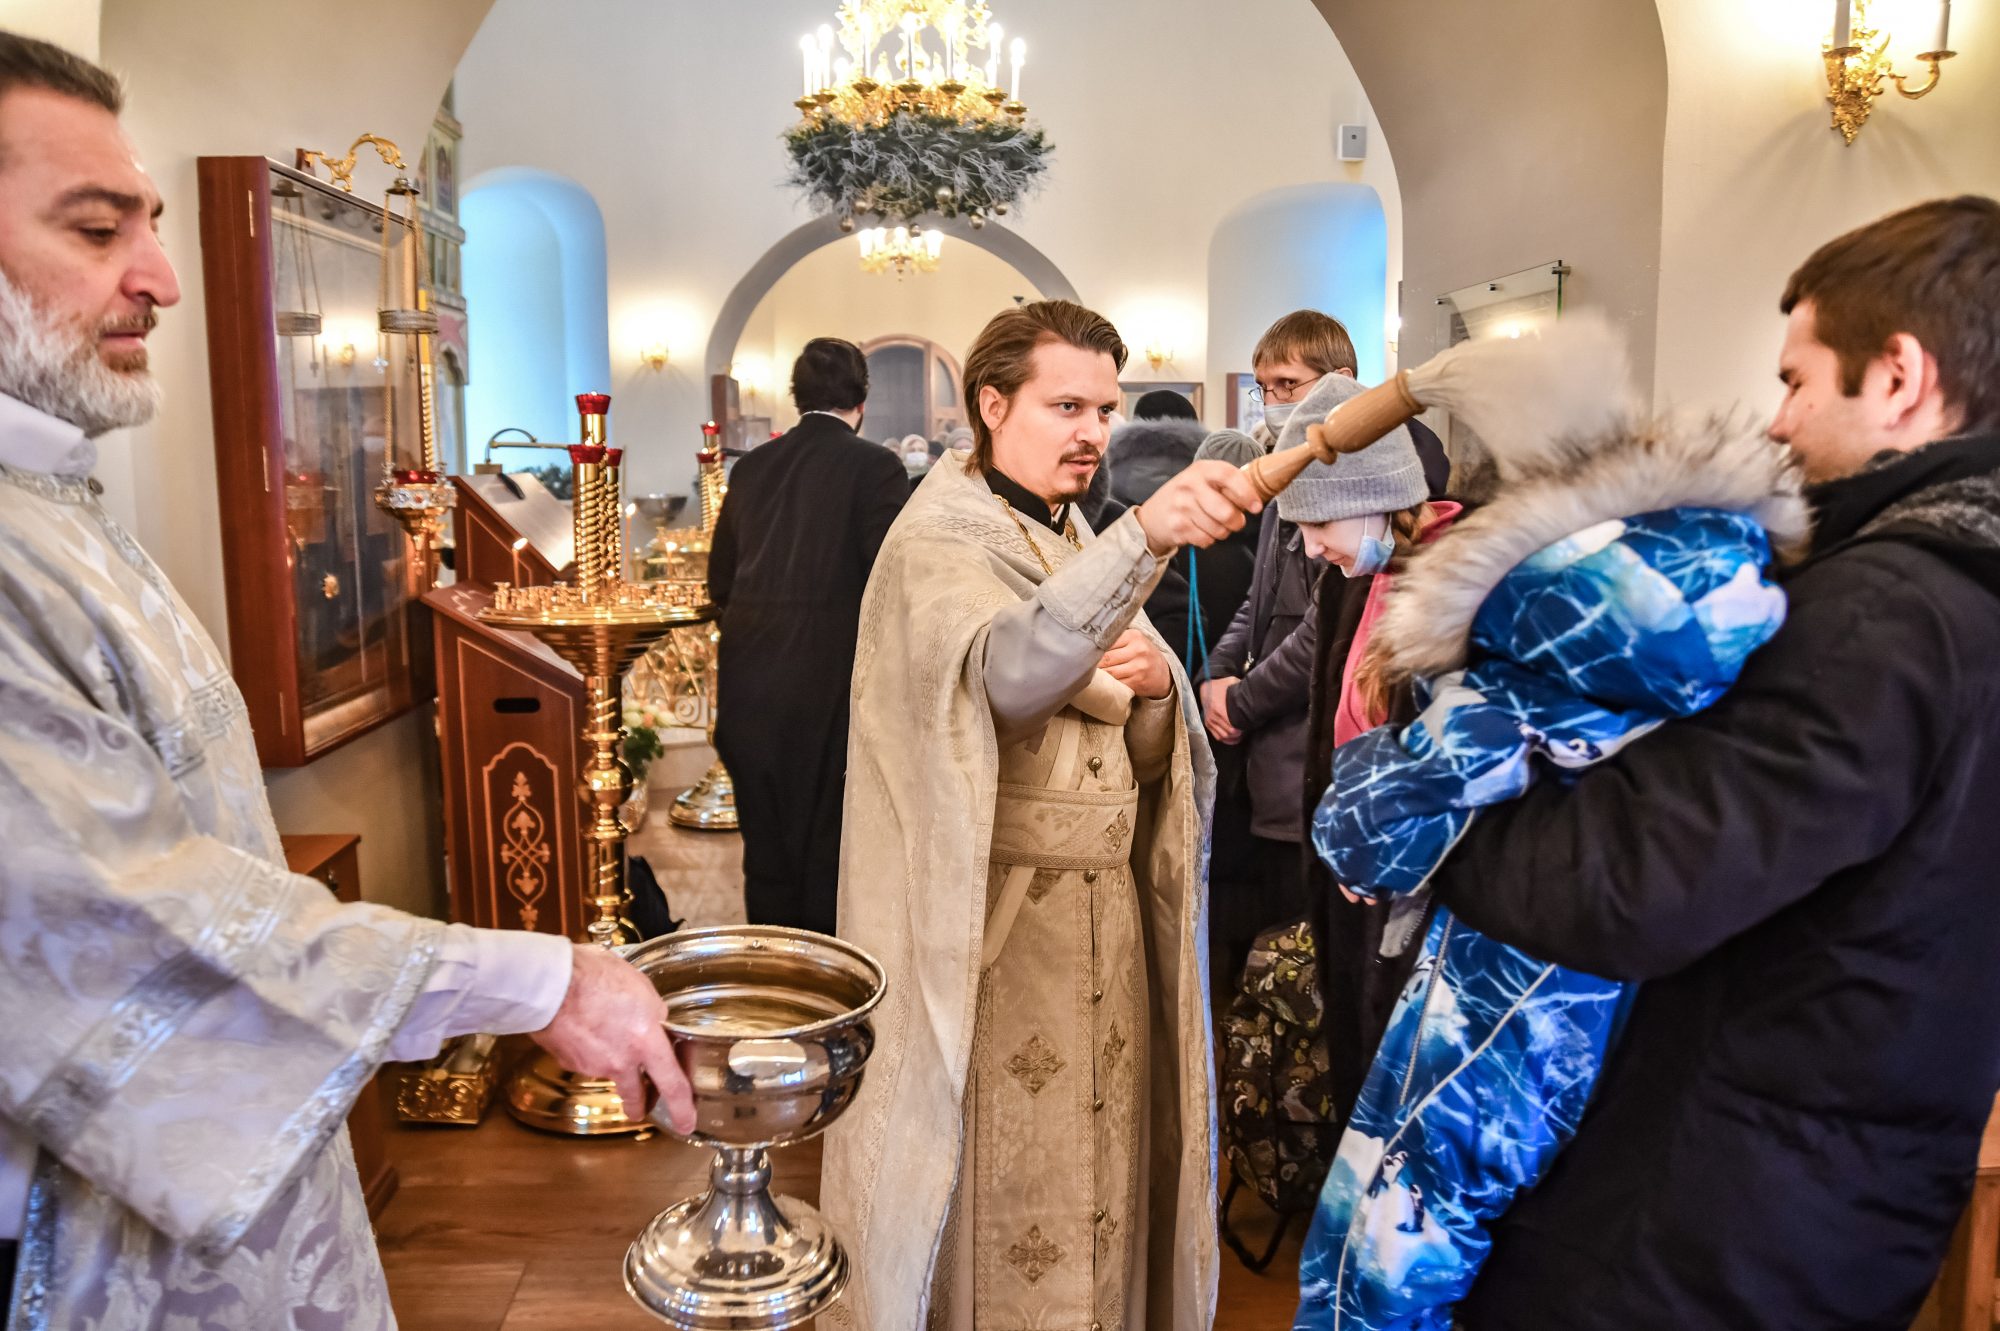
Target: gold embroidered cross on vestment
<point>1033,1254</point>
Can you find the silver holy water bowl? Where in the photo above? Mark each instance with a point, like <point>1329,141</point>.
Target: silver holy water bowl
<point>772,1026</point>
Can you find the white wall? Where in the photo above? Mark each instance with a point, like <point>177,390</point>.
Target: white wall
<point>1755,178</point>
<point>1680,159</point>
<point>70,24</point>
<point>513,277</point>
<point>1523,133</point>
<point>218,77</point>
<point>534,283</point>
<point>1165,115</point>
<point>827,295</point>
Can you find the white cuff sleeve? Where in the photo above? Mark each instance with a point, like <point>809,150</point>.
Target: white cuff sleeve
<point>499,981</point>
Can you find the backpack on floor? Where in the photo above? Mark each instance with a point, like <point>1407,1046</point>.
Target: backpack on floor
<point>1278,1132</point>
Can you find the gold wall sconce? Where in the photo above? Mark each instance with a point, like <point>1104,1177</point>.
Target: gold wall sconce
<point>753,375</point>
<point>1159,353</point>
<point>654,356</point>
<point>1857,64</point>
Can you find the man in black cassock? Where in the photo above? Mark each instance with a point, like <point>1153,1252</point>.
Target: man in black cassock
<point>792,552</point>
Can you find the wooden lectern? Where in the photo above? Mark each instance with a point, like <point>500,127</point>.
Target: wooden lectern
<point>489,544</point>
<point>510,712</point>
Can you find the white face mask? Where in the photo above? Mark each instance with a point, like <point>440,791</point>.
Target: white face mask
<point>1277,413</point>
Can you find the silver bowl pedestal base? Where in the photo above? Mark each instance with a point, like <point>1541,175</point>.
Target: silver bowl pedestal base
<point>709,805</point>
<point>737,1259</point>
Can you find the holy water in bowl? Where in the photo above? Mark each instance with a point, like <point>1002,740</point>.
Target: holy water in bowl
<point>747,1011</point>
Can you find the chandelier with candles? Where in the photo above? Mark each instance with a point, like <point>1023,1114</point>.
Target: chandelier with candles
<point>904,249</point>
<point>904,116</point>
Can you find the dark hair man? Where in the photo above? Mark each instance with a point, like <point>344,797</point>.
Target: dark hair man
<point>1025,810</point>
<point>1803,874</point>
<point>798,534</point>
<point>186,1022</point>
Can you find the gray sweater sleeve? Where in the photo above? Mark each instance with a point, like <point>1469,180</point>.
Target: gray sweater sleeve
<point>1040,651</point>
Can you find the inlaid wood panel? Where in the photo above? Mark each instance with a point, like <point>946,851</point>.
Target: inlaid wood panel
<point>510,717</point>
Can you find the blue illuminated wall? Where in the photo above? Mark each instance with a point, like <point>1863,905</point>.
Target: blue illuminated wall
<point>1322,247</point>
<point>536,306</point>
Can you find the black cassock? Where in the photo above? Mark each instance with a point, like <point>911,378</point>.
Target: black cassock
<point>799,532</point>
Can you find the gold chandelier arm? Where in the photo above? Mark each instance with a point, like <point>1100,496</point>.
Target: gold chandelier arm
<point>341,169</point>
<point>391,155</point>
<point>1933,59</point>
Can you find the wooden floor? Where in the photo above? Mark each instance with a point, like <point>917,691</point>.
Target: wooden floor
<point>500,1227</point>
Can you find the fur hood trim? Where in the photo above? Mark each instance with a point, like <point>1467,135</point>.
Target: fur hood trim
<point>1568,485</point>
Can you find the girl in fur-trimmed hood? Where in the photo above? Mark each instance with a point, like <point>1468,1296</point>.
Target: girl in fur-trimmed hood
<point>1609,585</point>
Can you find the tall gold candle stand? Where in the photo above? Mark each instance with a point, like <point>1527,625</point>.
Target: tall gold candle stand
<point>601,624</point>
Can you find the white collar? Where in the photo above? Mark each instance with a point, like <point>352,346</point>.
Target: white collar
<point>33,440</point>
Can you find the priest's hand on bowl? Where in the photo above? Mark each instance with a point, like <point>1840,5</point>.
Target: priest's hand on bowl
<point>612,1024</point>
<point>1202,504</point>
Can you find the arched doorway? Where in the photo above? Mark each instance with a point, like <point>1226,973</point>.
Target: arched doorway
<point>1040,273</point>
<point>914,387</point>
<point>913,330</point>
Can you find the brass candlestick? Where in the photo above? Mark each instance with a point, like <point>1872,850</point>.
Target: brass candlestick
<point>601,624</point>
<point>709,805</point>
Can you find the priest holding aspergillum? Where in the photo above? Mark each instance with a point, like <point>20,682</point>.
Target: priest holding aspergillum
<point>1026,791</point>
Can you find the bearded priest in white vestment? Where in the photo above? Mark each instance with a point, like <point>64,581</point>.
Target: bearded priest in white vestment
<point>183,1022</point>
<point>1028,789</point>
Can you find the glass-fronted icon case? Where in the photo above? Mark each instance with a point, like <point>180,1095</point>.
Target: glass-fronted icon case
<point>312,406</point>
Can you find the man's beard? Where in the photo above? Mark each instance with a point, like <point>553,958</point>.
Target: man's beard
<point>55,366</point>
<point>1082,491</point>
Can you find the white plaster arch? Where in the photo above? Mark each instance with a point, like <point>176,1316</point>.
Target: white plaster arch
<point>754,285</point>
<point>1499,171</point>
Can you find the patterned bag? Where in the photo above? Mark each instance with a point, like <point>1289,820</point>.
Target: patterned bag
<point>1277,1095</point>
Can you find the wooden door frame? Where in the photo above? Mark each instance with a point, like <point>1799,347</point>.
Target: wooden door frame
<point>930,348</point>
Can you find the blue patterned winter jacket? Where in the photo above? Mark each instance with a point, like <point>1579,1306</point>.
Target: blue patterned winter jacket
<point>1490,1055</point>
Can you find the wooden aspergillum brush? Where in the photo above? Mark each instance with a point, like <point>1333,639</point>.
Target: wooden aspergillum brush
<point>1572,379</point>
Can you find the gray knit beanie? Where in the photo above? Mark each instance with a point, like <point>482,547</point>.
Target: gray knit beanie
<point>1231,446</point>
<point>1385,477</point>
